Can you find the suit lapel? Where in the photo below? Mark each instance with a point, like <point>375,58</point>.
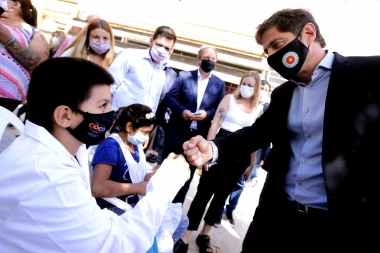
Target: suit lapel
<point>194,86</point>
<point>335,122</point>
<point>205,98</point>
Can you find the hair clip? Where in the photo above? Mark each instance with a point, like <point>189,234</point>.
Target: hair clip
<point>149,115</point>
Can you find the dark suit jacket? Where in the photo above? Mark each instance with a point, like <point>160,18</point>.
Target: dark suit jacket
<point>183,95</point>
<point>171,75</point>
<point>350,146</point>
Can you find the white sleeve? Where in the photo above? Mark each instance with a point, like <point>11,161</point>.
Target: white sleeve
<point>118,69</point>
<point>215,152</point>
<point>68,52</point>
<point>69,216</point>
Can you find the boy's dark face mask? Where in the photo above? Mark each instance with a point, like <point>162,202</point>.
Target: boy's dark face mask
<point>288,60</point>
<point>94,127</point>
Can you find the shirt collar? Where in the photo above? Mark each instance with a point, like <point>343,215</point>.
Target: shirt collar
<point>325,64</point>
<point>162,65</point>
<point>200,77</point>
<point>327,61</point>
<point>43,136</point>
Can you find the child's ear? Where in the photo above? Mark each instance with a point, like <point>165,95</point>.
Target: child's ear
<point>62,116</point>
<point>129,127</point>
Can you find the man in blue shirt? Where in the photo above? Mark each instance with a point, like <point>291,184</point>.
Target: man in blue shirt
<point>140,74</point>
<point>321,189</point>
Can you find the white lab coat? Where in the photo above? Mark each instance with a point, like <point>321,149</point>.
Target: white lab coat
<point>47,206</point>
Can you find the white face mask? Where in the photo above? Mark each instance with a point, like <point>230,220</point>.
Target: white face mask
<point>138,138</point>
<point>54,41</point>
<point>263,96</point>
<point>246,91</point>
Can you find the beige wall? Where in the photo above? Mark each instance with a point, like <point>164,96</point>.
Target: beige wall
<point>351,27</point>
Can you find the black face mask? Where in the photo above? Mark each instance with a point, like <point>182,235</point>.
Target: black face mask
<point>94,127</point>
<point>207,65</point>
<point>288,60</point>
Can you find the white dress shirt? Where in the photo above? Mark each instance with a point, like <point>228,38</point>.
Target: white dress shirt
<point>47,206</point>
<point>202,85</point>
<point>137,80</point>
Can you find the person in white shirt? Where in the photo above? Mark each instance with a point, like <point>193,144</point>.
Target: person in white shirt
<point>45,189</point>
<point>140,73</point>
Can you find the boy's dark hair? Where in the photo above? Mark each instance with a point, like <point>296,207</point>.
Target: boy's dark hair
<point>165,31</point>
<point>62,81</point>
<point>290,20</point>
<point>139,115</point>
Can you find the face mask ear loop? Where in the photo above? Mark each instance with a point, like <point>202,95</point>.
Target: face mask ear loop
<point>298,36</point>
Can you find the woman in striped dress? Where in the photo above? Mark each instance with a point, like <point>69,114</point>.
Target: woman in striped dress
<point>22,48</point>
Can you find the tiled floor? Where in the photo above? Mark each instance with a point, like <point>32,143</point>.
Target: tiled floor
<point>224,239</point>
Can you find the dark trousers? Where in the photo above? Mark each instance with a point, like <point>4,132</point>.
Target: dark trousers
<point>277,227</point>
<point>218,181</point>
<point>178,149</point>
<point>10,104</point>
<point>152,136</point>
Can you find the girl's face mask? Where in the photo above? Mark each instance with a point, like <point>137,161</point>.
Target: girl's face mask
<point>137,139</point>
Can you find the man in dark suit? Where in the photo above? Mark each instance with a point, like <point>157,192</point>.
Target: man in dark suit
<point>193,100</point>
<point>321,191</point>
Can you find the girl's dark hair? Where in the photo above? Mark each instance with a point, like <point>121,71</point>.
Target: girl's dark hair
<point>139,115</point>
<point>29,12</point>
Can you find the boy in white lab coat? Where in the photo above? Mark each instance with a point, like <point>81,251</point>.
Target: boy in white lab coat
<point>45,191</point>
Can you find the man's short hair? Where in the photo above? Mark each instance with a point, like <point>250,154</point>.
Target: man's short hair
<point>265,82</point>
<point>62,81</point>
<point>289,20</point>
<point>204,48</point>
<point>166,32</point>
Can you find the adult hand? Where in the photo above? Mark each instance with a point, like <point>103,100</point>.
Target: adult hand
<point>197,150</point>
<point>187,115</point>
<point>247,173</point>
<point>200,117</point>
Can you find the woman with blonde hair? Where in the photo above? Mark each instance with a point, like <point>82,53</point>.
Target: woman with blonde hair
<point>95,43</point>
<point>234,112</point>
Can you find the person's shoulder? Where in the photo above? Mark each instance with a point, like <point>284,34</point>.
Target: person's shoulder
<point>216,78</point>
<point>170,71</point>
<point>108,143</point>
<point>360,61</point>
<point>227,98</point>
<point>186,72</point>
<point>67,52</point>
<point>129,53</point>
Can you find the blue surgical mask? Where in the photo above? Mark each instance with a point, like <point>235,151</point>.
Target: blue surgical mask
<point>137,139</point>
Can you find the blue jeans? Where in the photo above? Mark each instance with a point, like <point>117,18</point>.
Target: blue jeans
<point>181,229</point>
<point>259,154</point>
<point>234,197</point>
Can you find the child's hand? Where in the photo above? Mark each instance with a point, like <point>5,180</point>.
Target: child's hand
<point>142,187</point>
